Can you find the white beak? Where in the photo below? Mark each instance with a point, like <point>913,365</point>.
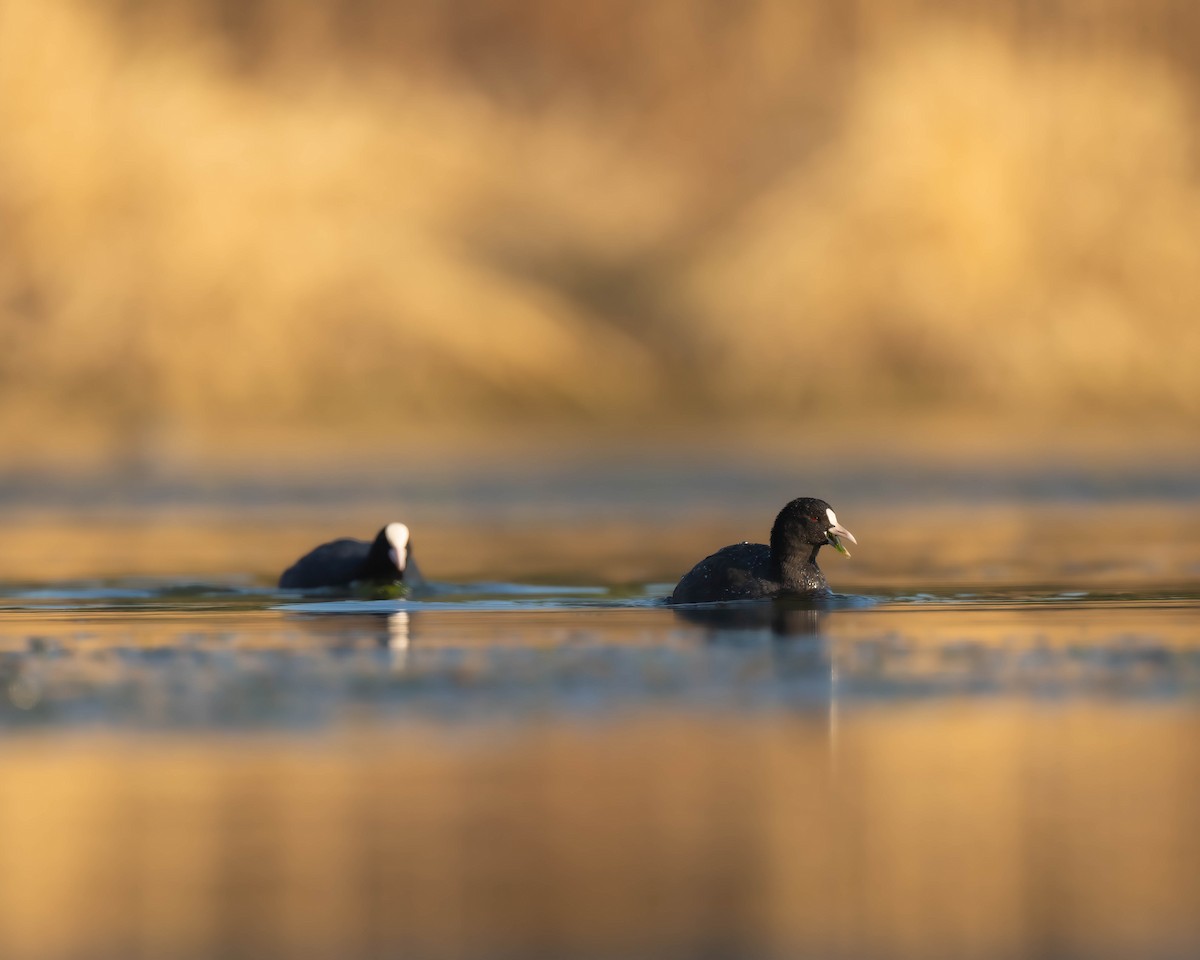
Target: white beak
<point>837,533</point>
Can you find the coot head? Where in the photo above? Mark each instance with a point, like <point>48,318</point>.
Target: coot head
<point>807,522</point>
<point>390,554</point>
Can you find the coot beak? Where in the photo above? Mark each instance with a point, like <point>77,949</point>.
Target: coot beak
<point>836,534</point>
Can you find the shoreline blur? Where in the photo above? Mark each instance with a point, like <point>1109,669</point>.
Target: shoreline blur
<point>920,528</point>
<point>248,232</point>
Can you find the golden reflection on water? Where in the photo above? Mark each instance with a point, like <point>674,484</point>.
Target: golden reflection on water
<point>949,829</point>
<point>1008,774</point>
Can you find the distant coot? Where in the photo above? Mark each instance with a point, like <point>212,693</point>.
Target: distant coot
<point>339,563</point>
<point>755,571</point>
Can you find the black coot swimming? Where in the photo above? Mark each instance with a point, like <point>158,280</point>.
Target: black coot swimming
<point>339,563</point>
<point>755,571</point>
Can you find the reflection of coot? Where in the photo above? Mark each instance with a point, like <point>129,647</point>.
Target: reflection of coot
<point>784,618</point>
<point>755,571</point>
<point>339,563</point>
<point>388,629</point>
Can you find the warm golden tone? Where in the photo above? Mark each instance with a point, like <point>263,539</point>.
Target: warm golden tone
<point>229,220</point>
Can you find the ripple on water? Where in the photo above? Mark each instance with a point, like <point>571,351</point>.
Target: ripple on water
<point>223,655</point>
<point>588,772</point>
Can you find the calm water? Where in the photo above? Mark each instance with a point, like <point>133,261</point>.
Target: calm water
<point>985,747</point>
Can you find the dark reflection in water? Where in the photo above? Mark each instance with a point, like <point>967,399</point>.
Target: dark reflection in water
<point>783,618</point>
<point>197,769</point>
<point>238,665</point>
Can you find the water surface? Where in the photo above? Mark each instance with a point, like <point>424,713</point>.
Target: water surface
<point>984,747</point>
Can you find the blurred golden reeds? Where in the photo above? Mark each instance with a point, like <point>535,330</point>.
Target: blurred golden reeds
<point>244,219</point>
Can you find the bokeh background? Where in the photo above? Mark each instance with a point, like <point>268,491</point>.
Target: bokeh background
<point>242,231</point>
<point>582,290</point>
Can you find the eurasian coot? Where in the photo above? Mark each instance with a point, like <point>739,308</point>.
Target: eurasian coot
<point>339,563</point>
<point>755,571</point>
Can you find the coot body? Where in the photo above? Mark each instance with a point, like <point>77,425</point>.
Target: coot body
<point>758,571</point>
<point>340,563</point>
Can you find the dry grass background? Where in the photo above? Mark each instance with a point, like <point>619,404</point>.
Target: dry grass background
<point>234,228</point>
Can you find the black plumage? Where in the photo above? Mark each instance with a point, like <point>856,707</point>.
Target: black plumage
<point>385,560</point>
<point>757,571</point>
